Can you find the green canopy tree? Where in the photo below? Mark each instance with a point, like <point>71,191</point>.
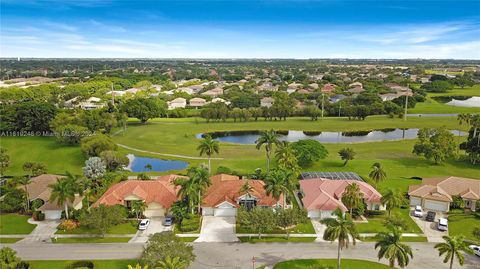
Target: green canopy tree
<point>346,154</point>
<point>392,199</point>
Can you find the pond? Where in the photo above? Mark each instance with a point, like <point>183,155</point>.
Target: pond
<point>249,137</point>
<point>141,164</point>
<point>470,102</point>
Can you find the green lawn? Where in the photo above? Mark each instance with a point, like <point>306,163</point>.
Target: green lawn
<point>302,228</point>
<point>463,223</point>
<point>9,240</point>
<point>188,239</point>
<point>100,264</point>
<point>458,91</point>
<point>92,240</point>
<point>432,106</point>
<point>129,227</point>
<point>375,224</point>
<point>277,239</point>
<point>15,224</point>
<point>404,239</point>
<point>329,263</point>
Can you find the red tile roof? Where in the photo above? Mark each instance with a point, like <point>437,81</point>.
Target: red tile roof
<point>325,194</point>
<point>228,188</point>
<point>161,191</point>
<point>443,188</point>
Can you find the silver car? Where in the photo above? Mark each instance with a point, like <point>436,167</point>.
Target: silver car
<point>442,224</point>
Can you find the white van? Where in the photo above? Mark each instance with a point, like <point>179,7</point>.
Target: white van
<point>442,224</point>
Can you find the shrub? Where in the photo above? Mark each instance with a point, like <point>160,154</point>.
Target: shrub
<point>68,225</point>
<point>458,202</point>
<point>373,213</point>
<point>13,201</point>
<point>80,264</point>
<point>38,216</point>
<point>190,224</point>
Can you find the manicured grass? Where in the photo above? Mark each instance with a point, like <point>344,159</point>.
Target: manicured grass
<point>302,228</point>
<point>432,106</point>
<point>441,72</point>
<point>9,240</point>
<point>277,239</point>
<point>129,227</point>
<point>15,224</point>
<point>458,91</point>
<point>404,239</point>
<point>376,224</point>
<point>329,263</point>
<point>463,223</point>
<point>92,240</point>
<point>100,264</point>
<point>188,239</point>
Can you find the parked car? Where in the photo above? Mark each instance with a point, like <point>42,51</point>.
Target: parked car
<point>418,212</point>
<point>430,216</point>
<point>143,224</point>
<point>476,249</point>
<point>168,221</point>
<point>442,224</point>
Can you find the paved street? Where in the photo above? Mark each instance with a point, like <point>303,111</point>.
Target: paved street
<point>234,255</point>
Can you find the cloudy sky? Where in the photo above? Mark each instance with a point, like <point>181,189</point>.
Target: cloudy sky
<point>241,29</point>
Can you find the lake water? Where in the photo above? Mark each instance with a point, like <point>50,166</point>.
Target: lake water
<point>249,137</point>
<point>137,164</point>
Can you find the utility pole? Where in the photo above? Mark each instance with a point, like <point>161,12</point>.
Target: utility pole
<point>339,109</point>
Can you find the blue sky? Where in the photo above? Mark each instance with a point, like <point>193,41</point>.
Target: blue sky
<point>241,29</point>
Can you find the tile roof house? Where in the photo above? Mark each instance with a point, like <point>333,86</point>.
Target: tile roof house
<point>225,195</point>
<point>214,92</point>
<point>436,194</point>
<point>266,102</point>
<point>158,194</point>
<point>328,88</point>
<point>197,102</point>
<point>39,188</point>
<point>177,103</point>
<point>323,196</point>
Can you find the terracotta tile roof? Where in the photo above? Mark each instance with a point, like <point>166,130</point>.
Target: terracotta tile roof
<point>228,188</point>
<point>328,88</point>
<point>161,190</point>
<point>325,194</point>
<point>443,188</point>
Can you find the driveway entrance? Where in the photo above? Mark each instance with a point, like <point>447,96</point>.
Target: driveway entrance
<point>430,228</point>
<point>217,229</point>
<point>156,226</point>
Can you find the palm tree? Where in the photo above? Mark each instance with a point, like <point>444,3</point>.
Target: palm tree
<point>201,180</point>
<point>169,263</point>
<point>63,191</point>
<point>138,207</point>
<point>137,266</point>
<point>352,197</point>
<point>286,157</point>
<point>246,189</point>
<point>453,247</point>
<point>377,174</point>
<point>340,228</point>
<point>187,191</point>
<point>267,138</point>
<point>276,184</point>
<point>391,200</point>
<point>24,181</point>
<point>392,248</point>
<point>208,146</point>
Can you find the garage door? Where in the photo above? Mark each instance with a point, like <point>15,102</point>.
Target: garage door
<point>414,201</point>
<point>225,212</point>
<point>154,213</point>
<point>436,206</point>
<point>326,214</point>
<point>52,214</point>
<point>314,214</point>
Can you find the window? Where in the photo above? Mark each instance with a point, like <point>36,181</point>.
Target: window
<point>248,203</point>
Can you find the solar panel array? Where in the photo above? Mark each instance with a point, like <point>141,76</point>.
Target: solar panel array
<point>332,175</point>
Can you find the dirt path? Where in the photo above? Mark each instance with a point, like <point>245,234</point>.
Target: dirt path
<point>166,154</point>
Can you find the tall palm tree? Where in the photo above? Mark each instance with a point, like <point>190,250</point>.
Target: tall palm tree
<point>63,191</point>
<point>352,197</point>
<point>453,247</point>
<point>138,207</point>
<point>391,200</point>
<point>201,180</point>
<point>187,192</point>
<point>171,263</point>
<point>137,266</point>
<point>340,228</point>
<point>24,181</point>
<point>276,184</point>
<point>377,174</point>
<point>246,189</point>
<point>208,146</point>
<point>391,248</point>
<point>267,138</point>
<point>286,157</point>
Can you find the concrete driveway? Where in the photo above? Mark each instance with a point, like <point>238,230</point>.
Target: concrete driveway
<point>44,231</point>
<point>156,226</point>
<point>430,228</point>
<point>319,229</point>
<point>217,229</point>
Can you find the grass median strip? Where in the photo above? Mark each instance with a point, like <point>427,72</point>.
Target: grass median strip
<point>10,240</point>
<point>99,264</point>
<point>277,239</point>
<point>329,263</point>
<point>91,240</point>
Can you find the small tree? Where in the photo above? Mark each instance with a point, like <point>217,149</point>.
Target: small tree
<point>458,202</point>
<point>24,181</point>
<point>309,151</point>
<point>138,207</point>
<point>102,218</point>
<point>257,219</point>
<point>113,160</point>
<point>34,169</point>
<point>392,200</point>
<point>9,259</point>
<point>377,174</point>
<point>435,144</point>
<point>165,245</point>
<point>352,197</point>
<point>94,168</point>
<point>286,218</point>
<point>346,154</point>
<point>94,145</point>
<point>4,161</point>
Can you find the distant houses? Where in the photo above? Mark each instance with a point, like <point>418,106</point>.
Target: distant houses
<point>267,102</point>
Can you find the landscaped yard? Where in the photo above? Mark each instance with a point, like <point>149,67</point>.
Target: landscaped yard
<point>267,239</point>
<point>329,264</point>
<point>463,223</point>
<point>92,240</point>
<point>100,264</point>
<point>4,240</point>
<point>15,224</point>
<point>129,227</point>
<point>404,239</point>
<point>376,224</point>
<point>302,228</point>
